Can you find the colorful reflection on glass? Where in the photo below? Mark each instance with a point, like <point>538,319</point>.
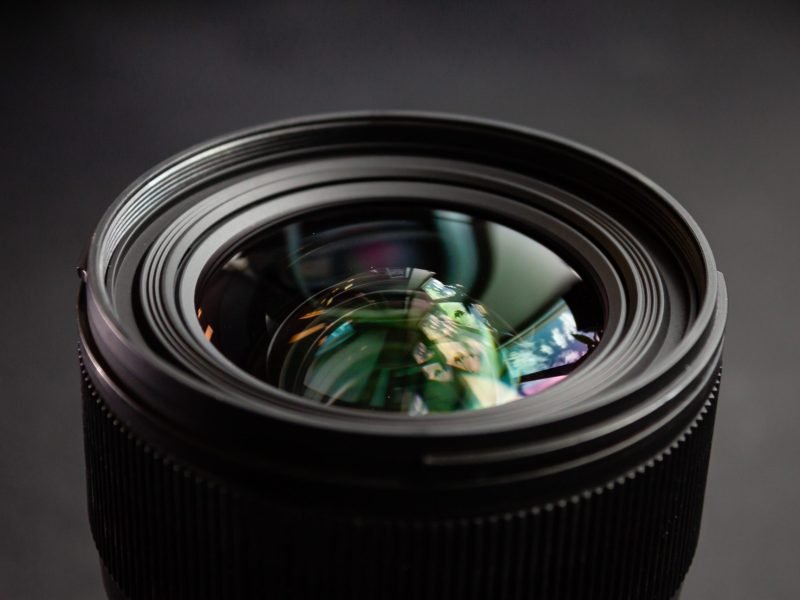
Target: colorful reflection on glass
<point>379,342</point>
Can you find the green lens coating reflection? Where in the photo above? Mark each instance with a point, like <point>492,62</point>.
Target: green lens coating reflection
<point>411,311</point>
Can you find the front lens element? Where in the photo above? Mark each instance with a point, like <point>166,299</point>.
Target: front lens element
<point>412,310</point>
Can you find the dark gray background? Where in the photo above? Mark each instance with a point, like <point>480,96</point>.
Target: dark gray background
<point>705,101</point>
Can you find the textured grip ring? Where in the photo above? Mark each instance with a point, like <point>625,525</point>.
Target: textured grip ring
<point>165,530</point>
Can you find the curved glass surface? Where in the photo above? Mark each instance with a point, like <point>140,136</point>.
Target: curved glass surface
<point>412,310</point>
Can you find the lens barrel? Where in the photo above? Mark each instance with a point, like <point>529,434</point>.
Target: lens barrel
<point>285,333</point>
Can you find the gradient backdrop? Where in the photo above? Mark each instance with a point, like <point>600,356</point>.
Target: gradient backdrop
<point>705,101</point>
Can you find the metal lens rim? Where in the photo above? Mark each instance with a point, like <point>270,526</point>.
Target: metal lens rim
<point>243,151</point>
<point>185,271</point>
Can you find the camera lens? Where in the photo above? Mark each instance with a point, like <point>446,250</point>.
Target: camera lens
<point>395,355</point>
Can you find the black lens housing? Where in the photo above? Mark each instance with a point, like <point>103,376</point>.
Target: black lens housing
<point>206,482</point>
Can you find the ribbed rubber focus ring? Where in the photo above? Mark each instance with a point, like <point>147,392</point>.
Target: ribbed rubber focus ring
<point>166,530</point>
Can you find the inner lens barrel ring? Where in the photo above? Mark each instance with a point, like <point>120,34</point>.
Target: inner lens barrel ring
<point>350,193</point>
<point>214,243</point>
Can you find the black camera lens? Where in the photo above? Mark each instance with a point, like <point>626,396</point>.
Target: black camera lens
<point>396,355</point>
